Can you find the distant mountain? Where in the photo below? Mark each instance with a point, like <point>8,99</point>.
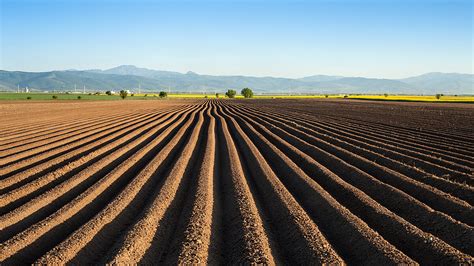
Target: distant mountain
<point>319,78</point>
<point>68,80</point>
<point>131,77</point>
<point>449,83</point>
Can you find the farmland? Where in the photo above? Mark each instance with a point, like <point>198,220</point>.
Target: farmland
<point>233,181</point>
<point>155,96</point>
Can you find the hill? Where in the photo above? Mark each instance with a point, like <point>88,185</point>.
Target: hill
<point>131,77</point>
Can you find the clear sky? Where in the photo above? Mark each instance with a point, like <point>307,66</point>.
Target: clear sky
<point>370,38</point>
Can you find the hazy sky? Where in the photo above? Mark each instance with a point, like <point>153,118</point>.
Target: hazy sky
<point>388,39</point>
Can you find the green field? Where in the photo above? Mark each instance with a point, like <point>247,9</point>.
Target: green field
<point>154,96</point>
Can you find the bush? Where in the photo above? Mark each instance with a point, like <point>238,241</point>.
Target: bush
<point>28,98</point>
<point>90,93</point>
<point>108,93</point>
<point>205,97</point>
<point>247,93</point>
<point>385,94</point>
<point>217,95</point>
<point>163,94</point>
<point>123,94</point>
<point>146,95</point>
<point>231,93</point>
<point>55,97</point>
<point>438,96</point>
<point>79,97</point>
<point>326,96</point>
<point>131,95</point>
<point>345,96</point>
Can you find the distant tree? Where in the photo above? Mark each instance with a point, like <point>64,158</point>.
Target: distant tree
<point>132,95</point>
<point>123,94</point>
<point>231,93</point>
<point>205,97</point>
<point>163,94</point>
<point>55,97</point>
<point>326,95</point>
<point>108,93</point>
<point>28,98</point>
<point>345,96</point>
<point>438,96</point>
<point>79,97</point>
<point>217,95</point>
<point>385,94</point>
<point>247,93</point>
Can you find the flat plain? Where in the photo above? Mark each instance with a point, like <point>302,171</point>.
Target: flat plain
<point>284,181</point>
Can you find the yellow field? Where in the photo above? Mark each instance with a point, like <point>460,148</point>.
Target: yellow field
<point>424,98</point>
<point>151,96</point>
<point>418,98</point>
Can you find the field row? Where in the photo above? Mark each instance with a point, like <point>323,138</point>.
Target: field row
<point>215,181</point>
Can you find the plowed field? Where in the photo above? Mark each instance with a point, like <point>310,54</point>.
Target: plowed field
<point>234,181</point>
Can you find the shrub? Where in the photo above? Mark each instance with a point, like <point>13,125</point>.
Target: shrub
<point>438,96</point>
<point>326,96</point>
<point>28,98</point>
<point>108,93</point>
<point>146,95</point>
<point>132,95</point>
<point>345,96</point>
<point>217,95</point>
<point>385,94</point>
<point>79,97</point>
<point>90,93</point>
<point>123,94</point>
<point>231,93</point>
<point>247,93</point>
<point>55,97</point>
<point>205,97</point>
<point>163,94</point>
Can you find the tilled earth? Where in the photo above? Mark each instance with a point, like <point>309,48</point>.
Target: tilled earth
<point>234,181</point>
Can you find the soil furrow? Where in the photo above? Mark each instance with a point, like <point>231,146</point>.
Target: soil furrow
<point>49,232</point>
<point>51,179</point>
<point>93,239</point>
<point>393,228</point>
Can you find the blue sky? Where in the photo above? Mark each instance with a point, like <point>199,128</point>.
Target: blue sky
<point>386,38</point>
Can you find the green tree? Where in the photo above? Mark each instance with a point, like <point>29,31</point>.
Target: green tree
<point>123,94</point>
<point>163,94</point>
<point>217,95</point>
<point>108,93</point>
<point>247,93</point>
<point>231,93</point>
<point>438,96</point>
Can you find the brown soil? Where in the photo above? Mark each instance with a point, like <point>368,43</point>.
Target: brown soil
<point>234,181</point>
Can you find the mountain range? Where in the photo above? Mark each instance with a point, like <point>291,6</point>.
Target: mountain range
<point>132,77</point>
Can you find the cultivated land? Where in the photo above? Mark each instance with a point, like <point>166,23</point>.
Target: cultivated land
<point>154,96</point>
<point>232,181</point>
